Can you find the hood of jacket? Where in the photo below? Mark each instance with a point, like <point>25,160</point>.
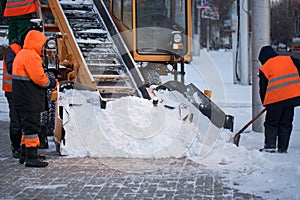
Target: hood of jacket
<point>266,53</point>
<point>35,40</point>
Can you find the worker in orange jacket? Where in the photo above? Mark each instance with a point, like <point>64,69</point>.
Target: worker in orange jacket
<point>19,14</point>
<point>14,126</point>
<point>29,83</point>
<point>279,85</point>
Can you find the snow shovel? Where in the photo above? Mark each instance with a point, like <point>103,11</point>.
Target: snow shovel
<point>237,136</point>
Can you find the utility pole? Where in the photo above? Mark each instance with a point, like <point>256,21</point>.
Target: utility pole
<point>207,34</point>
<point>244,43</point>
<point>196,30</point>
<point>260,37</point>
<point>236,44</point>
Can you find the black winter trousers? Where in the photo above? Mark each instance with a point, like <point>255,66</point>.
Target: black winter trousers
<point>278,126</point>
<point>15,132</point>
<point>30,122</point>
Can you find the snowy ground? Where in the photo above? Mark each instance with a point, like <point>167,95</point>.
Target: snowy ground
<point>272,176</point>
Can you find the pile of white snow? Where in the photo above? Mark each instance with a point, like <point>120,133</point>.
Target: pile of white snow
<point>134,127</point>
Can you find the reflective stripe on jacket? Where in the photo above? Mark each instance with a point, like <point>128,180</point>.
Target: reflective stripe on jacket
<point>283,79</point>
<point>9,56</point>
<point>29,80</point>
<point>20,7</point>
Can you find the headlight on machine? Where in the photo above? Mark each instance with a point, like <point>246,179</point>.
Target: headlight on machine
<point>50,54</point>
<point>50,47</point>
<point>51,44</point>
<point>177,38</point>
<point>177,43</point>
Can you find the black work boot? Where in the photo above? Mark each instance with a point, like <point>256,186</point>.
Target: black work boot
<point>43,138</point>
<point>32,158</point>
<point>15,152</point>
<point>281,151</point>
<point>22,154</point>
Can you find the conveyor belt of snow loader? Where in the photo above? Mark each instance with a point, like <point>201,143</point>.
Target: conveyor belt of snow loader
<point>100,64</point>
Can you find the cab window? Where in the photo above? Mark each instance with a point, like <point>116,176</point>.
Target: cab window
<point>127,13</point>
<point>117,9</point>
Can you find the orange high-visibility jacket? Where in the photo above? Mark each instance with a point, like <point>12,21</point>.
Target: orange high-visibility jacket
<point>7,63</point>
<point>21,7</point>
<point>29,80</point>
<point>283,79</point>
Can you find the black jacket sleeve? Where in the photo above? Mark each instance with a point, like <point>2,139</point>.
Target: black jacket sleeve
<point>296,63</point>
<point>263,84</point>
<point>2,6</point>
<point>9,59</point>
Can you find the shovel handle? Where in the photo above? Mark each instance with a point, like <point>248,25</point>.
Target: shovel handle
<point>252,120</point>
<point>238,134</point>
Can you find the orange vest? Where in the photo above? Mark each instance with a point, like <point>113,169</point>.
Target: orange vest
<point>7,77</point>
<point>17,8</point>
<point>283,79</point>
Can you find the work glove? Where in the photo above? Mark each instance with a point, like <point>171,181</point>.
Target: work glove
<point>53,83</point>
<point>54,95</point>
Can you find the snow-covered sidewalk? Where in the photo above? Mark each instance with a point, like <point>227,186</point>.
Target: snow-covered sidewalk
<point>271,176</point>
